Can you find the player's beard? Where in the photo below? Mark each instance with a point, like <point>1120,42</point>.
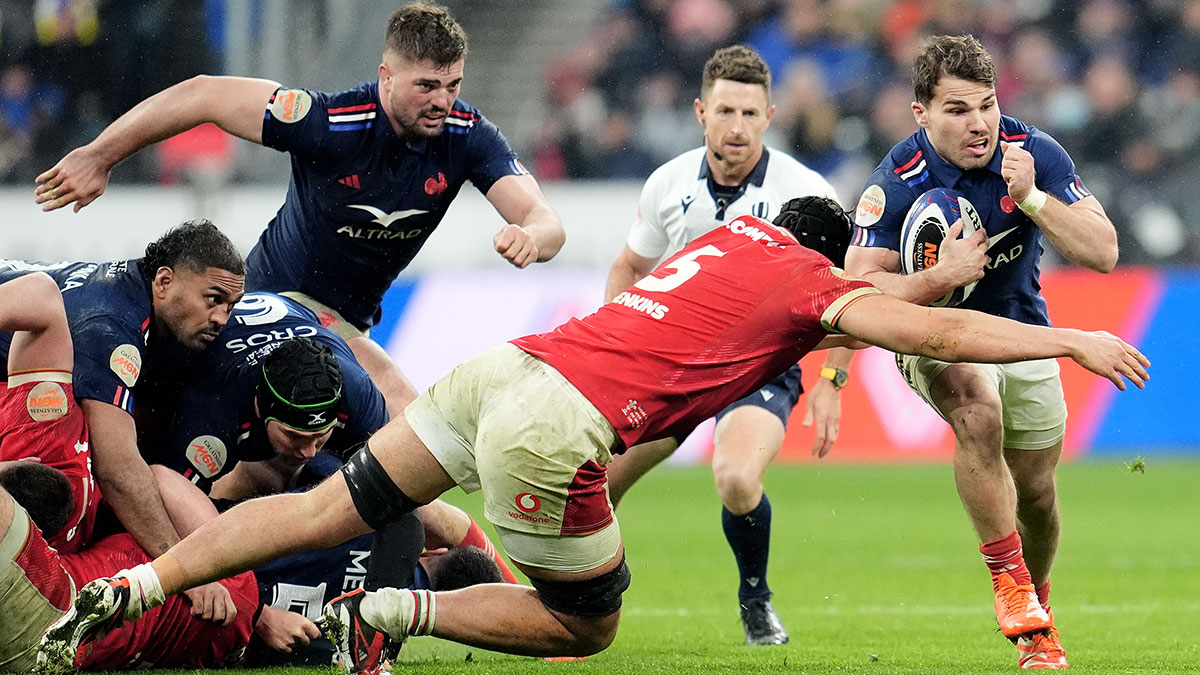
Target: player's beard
<point>413,127</point>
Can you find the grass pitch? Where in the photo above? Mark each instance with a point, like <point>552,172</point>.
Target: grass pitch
<point>876,570</point>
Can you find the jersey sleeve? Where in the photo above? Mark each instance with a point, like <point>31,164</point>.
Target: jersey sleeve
<point>365,405</point>
<point>108,361</point>
<point>296,121</point>
<point>827,292</point>
<point>647,236</point>
<point>491,156</point>
<point>879,216</point>
<point>1054,169</point>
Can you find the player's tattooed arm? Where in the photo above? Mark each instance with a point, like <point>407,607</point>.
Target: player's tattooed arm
<point>534,232</point>
<point>235,104</point>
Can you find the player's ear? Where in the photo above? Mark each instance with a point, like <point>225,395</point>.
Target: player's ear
<point>698,106</point>
<point>163,278</point>
<point>921,114</point>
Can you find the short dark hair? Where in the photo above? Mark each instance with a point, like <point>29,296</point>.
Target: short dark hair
<point>44,492</point>
<point>818,223</point>
<point>738,63</point>
<point>424,31</point>
<point>464,566</point>
<point>960,56</point>
<point>196,245</point>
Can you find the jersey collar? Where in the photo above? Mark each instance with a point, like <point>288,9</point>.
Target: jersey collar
<point>756,176</point>
<point>946,173</point>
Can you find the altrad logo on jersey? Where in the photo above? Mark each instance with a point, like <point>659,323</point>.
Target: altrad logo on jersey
<point>386,219</point>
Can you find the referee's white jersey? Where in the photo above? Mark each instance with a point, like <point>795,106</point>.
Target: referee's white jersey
<point>677,204</point>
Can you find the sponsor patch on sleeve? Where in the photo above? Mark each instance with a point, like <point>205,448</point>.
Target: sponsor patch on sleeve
<point>870,206</point>
<point>290,105</point>
<point>126,362</point>
<point>207,454</point>
<point>46,401</point>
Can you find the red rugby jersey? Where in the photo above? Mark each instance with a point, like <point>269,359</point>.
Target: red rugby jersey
<point>713,323</point>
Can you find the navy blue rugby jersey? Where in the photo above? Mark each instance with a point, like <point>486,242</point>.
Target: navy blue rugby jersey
<point>205,400</point>
<point>362,201</point>
<point>1010,286</point>
<point>109,308</point>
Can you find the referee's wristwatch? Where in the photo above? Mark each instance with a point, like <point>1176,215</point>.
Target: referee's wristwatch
<point>838,376</point>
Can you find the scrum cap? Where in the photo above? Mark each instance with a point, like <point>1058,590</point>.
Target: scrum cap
<point>818,223</point>
<point>300,385</point>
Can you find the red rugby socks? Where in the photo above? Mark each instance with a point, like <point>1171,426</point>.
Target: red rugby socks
<point>1004,556</point>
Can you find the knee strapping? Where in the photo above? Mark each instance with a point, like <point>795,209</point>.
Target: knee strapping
<point>376,498</point>
<point>595,597</point>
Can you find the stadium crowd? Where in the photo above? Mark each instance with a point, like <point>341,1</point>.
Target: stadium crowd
<point>1117,81</point>
<point>190,381</point>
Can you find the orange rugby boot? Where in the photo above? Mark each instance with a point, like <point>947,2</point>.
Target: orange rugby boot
<point>1017,609</point>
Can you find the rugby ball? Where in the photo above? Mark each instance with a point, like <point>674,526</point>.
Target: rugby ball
<point>925,227</point>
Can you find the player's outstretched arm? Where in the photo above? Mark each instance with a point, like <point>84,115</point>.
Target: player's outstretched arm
<point>626,270</point>
<point>32,306</point>
<point>962,261</point>
<point>958,335</point>
<point>534,232</point>
<point>235,104</point>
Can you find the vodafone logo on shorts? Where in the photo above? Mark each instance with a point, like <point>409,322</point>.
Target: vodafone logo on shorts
<point>528,503</point>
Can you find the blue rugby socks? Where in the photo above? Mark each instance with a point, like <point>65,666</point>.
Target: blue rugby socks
<point>749,535</point>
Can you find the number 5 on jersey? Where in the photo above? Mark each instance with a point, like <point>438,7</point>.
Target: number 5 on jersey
<point>685,268</point>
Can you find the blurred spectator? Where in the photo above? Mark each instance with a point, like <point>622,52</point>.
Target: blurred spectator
<point>30,116</point>
<point>1117,80</point>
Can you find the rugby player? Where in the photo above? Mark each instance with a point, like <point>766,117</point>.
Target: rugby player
<point>1008,420</point>
<point>732,175</point>
<point>374,169</point>
<point>45,464</point>
<point>242,418</point>
<point>533,423</point>
<point>121,313</point>
<point>293,589</point>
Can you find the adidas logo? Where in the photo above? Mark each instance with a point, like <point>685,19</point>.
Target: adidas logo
<point>351,181</point>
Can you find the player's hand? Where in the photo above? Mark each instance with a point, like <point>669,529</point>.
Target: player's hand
<point>212,602</point>
<point>78,178</point>
<point>961,259</point>
<point>1109,356</point>
<point>823,406</point>
<point>515,244</point>
<point>285,631</point>
<point>1016,168</point>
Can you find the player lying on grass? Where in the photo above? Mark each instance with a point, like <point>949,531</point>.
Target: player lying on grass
<point>534,421</point>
